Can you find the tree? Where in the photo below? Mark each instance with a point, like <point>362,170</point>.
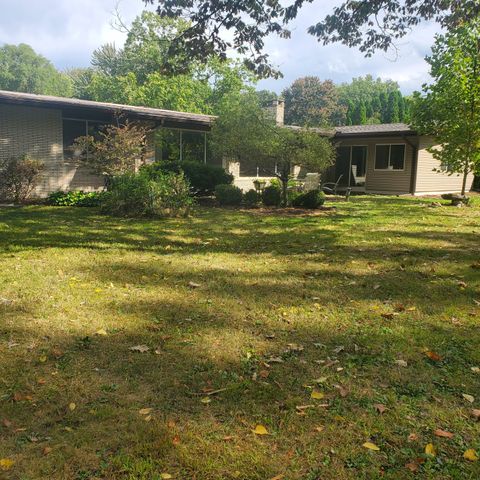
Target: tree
<point>450,107</point>
<point>245,132</point>
<point>393,109</point>
<point>23,70</point>
<point>309,101</point>
<point>368,25</point>
<point>117,150</point>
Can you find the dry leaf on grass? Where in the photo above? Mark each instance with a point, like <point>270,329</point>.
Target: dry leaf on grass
<point>401,363</point>
<point>316,395</point>
<point>471,455</point>
<point>260,430</point>
<point>47,450</point>
<point>433,355</point>
<point>145,411</point>
<point>475,369</point>
<point>430,449</point>
<point>7,423</point>
<point>194,285</point>
<point>6,463</point>
<point>102,332</point>
<point>380,408</point>
<point>442,433</point>
<point>413,437</point>
<point>139,348</point>
<point>278,477</point>
<point>72,406</point>
<point>166,476</point>
<point>468,398</point>
<point>371,446</point>
<point>475,413</point>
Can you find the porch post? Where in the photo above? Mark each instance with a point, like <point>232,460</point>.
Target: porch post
<point>205,148</point>
<point>181,145</point>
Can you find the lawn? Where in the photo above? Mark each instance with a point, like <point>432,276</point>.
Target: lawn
<point>356,325</point>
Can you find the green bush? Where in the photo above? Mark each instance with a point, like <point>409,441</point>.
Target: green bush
<point>138,195</point>
<point>203,178</point>
<point>312,199</point>
<point>228,195</point>
<point>19,177</point>
<point>75,198</point>
<point>272,196</point>
<point>252,198</point>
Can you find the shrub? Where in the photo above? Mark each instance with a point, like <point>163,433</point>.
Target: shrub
<point>75,198</point>
<point>137,196</point>
<point>19,177</point>
<point>251,198</point>
<point>312,199</point>
<point>272,196</point>
<point>228,195</point>
<point>203,178</point>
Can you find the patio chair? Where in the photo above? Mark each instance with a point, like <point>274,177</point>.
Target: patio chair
<point>331,187</point>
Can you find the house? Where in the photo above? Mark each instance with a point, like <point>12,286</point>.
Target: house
<point>44,127</point>
<point>385,159</point>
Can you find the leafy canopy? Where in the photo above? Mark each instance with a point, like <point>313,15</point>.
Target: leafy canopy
<point>23,70</point>
<point>450,106</point>
<point>366,24</point>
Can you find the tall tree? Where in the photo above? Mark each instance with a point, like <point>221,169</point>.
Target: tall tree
<point>309,101</point>
<point>368,25</point>
<point>450,107</point>
<point>24,70</point>
<point>393,109</point>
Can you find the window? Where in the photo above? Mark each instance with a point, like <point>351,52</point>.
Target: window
<point>72,129</point>
<point>390,157</point>
<point>266,168</point>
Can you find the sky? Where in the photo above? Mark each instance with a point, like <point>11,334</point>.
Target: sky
<point>67,32</point>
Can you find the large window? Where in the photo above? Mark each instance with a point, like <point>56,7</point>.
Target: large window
<point>72,129</point>
<point>266,168</point>
<point>390,157</point>
<point>351,166</point>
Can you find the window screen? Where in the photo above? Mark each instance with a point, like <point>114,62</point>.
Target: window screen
<point>390,157</point>
<point>72,129</point>
<point>382,155</point>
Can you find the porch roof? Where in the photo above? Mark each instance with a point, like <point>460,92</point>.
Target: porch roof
<point>383,129</point>
<point>73,106</point>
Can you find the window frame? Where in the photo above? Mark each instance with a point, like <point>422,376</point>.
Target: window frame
<point>375,169</point>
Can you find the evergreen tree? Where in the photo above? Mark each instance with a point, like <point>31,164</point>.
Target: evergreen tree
<point>383,107</point>
<point>401,108</point>
<point>392,108</point>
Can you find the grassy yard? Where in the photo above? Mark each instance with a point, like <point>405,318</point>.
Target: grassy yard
<point>293,323</point>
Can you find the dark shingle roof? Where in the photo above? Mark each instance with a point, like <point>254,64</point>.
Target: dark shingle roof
<point>172,117</point>
<point>377,129</point>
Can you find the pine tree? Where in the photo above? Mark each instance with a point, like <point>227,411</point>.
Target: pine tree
<point>392,108</point>
<point>383,107</point>
<point>401,107</point>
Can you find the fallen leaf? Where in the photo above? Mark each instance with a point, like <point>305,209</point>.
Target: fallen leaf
<point>57,353</point>
<point>176,440</point>
<point>139,348</point>
<point>42,358</point>
<point>260,430</point>
<point>7,423</point>
<point>413,437</point>
<point>462,285</point>
<point>6,463</point>
<point>342,390</point>
<point>412,466</point>
<point>148,418</point>
<point>316,395</point>
<point>389,316</point>
<point>433,355</point>
<point>47,450</point>
<point>442,433</point>
<point>206,400</point>
<point>166,476</point>
<point>475,413</point>
<point>102,332</point>
<point>376,287</point>
<point>194,285</point>
<point>475,369</point>
<point>278,477</point>
<point>430,449</point>
<point>41,381</point>
<point>319,428</point>
<point>263,374</point>
<point>401,363</point>
<point>471,455</point>
<point>145,411</point>
<point>468,398</point>
<point>371,446</point>
<point>72,406</point>
<point>379,407</point>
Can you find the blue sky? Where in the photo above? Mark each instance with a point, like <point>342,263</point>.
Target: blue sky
<point>67,32</point>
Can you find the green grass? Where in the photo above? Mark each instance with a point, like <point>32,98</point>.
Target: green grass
<point>265,281</point>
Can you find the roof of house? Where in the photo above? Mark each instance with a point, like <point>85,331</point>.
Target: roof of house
<point>376,129</point>
<point>169,118</point>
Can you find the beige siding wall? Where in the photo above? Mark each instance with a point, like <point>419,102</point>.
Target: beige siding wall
<point>429,181</point>
<point>38,133</point>
<point>385,181</point>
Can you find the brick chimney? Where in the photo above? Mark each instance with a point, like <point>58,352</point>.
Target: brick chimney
<point>279,111</point>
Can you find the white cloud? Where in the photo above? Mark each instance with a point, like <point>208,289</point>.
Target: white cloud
<point>67,32</point>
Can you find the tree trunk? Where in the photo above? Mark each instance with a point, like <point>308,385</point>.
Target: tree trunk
<point>465,175</point>
<point>284,192</point>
